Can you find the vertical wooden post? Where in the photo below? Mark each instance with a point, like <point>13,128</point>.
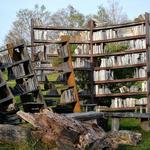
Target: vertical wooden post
<point>115,124</point>
<point>72,82</point>
<point>71,78</point>
<point>45,52</point>
<point>32,41</point>
<point>141,109</point>
<point>148,59</point>
<point>91,57</point>
<point>144,122</point>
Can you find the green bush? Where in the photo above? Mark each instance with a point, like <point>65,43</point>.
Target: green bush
<point>115,47</point>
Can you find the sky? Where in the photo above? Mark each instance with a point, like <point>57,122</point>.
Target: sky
<point>8,9</point>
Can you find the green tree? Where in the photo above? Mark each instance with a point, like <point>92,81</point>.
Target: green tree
<point>68,17</point>
<point>102,15</point>
<point>111,14</point>
<point>20,31</point>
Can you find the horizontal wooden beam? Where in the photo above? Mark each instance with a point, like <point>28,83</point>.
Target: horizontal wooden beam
<point>130,51</point>
<point>95,115</point>
<point>120,80</point>
<point>119,39</point>
<point>121,94</point>
<point>60,28</point>
<point>123,25</point>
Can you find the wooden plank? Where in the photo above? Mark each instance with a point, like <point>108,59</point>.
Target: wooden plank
<point>14,47</point>
<point>121,109</point>
<point>3,84</point>
<point>115,124</point>
<point>45,68</point>
<point>81,55</point>
<point>91,61</point>
<point>120,67</point>
<point>33,51</point>
<point>8,98</point>
<point>84,116</point>
<point>129,24</point>
<point>71,81</point>
<point>52,55</point>
<point>82,69</point>
<point>25,76</point>
<point>84,95</point>
<point>15,63</point>
<point>59,42</point>
<point>121,80</point>
<point>131,51</point>
<point>127,115</point>
<point>121,94</point>
<point>120,39</point>
<point>60,28</point>
<point>148,58</point>
<point>24,93</point>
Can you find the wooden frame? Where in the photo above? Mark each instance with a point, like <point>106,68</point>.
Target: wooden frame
<point>92,29</point>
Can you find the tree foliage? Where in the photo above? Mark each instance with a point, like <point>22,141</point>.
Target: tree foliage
<point>112,14</point>
<point>20,31</point>
<point>115,12</point>
<point>102,14</point>
<point>21,28</point>
<point>68,17</point>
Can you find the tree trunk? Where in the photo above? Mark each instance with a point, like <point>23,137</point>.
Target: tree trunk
<point>13,134</point>
<point>64,133</point>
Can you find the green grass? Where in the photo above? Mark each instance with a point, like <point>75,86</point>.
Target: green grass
<point>53,76</point>
<point>23,147</point>
<point>134,125</point>
<point>6,147</point>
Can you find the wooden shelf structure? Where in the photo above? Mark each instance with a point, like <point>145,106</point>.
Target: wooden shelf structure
<point>144,35</point>
<point>71,42</point>
<point>19,69</point>
<point>6,101</point>
<point>67,97</point>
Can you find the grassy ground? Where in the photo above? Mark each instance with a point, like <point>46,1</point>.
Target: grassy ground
<point>134,124</point>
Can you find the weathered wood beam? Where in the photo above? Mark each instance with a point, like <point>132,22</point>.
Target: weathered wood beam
<point>95,115</point>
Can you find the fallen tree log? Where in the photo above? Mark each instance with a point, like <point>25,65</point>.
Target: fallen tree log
<point>14,134</point>
<point>64,133</point>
